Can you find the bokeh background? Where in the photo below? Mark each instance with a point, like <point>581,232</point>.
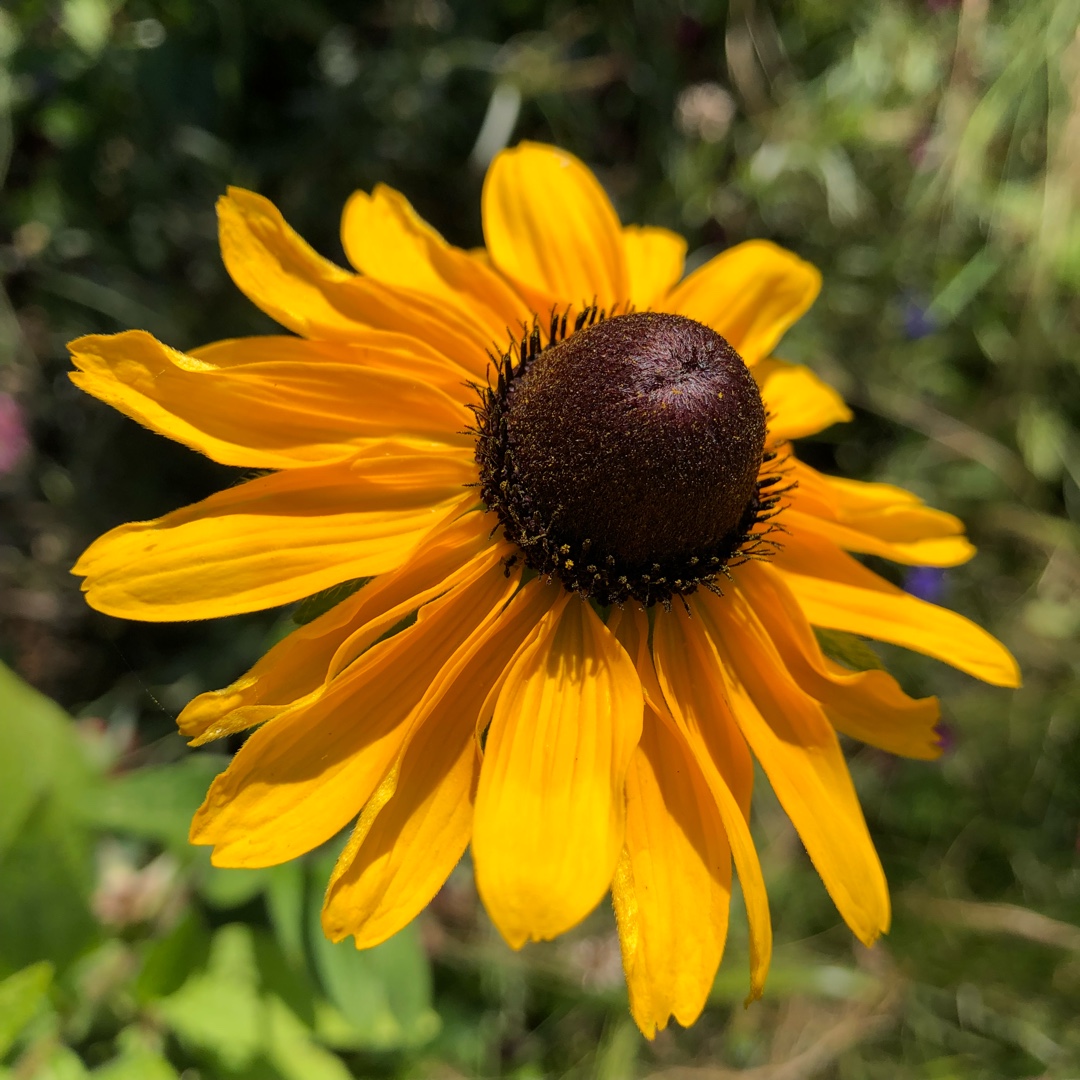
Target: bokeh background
<point>925,155</point>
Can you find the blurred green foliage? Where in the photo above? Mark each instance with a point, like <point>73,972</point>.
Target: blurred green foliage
<point>925,155</point>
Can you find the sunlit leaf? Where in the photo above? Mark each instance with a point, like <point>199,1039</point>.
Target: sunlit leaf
<point>158,802</point>
<point>21,995</point>
<point>219,1010</point>
<point>292,1050</point>
<point>384,993</point>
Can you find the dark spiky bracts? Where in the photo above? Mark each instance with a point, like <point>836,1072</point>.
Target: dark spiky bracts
<point>583,566</point>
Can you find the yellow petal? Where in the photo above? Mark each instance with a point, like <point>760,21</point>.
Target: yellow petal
<point>277,270</point>
<point>279,273</point>
<point>416,826</point>
<point>750,294</point>
<point>552,230</point>
<point>673,887</point>
<point>298,404</point>
<point>935,551</point>
<point>801,756</point>
<point>274,540</point>
<point>838,593</point>
<point>797,402</point>
<point>385,238</point>
<point>694,692</point>
<point>867,705</point>
<point>385,350</point>
<point>300,778</point>
<point>550,808</point>
<point>876,519</point>
<point>298,665</point>
<point>654,264</point>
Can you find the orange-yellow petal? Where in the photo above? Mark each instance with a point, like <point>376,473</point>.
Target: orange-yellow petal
<point>550,806</point>
<point>694,692</point>
<point>750,294</point>
<point>838,593</point>
<point>933,551</point>
<point>384,350</point>
<point>875,519</point>
<point>550,227</point>
<point>797,402</point>
<point>672,890</point>
<point>299,665</point>
<point>277,270</point>
<point>282,275</point>
<point>654,264</point>
<point>385,238</point>
<point>274,540</point>
<point>801,756</point>
<point>867,705</point>
<point>301,777</point>
<point>285,403</point>
<point>417,824</point>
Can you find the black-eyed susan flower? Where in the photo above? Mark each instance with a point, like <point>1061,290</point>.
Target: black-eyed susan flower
<point>596,563</point>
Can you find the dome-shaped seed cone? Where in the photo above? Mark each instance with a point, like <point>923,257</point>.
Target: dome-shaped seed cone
<point>642,435</point>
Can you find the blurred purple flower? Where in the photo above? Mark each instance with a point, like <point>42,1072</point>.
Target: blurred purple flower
<point>926,582</point>
<point>14,441</point>
<point>946,737</point>
<point>918,322</point>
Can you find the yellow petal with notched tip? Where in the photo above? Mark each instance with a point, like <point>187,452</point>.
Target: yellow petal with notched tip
<point>875,519</point>
<point>867,705</point>
<point>933,551</point>
<point>551,803</point>
<point>385,238</point>
<point>304,775</point>
<point>296,404</point>
<point>300,664</point>
<point>797,402</point>
<point>283,276</point>
<point>274,540</point>
<point>838,593</point>
<point>672,890</point>
<point>416,826</point>
<point>798,749</point>
<point>694,693</point>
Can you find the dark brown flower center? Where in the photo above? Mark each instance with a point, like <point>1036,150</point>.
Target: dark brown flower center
<point>626,457</point>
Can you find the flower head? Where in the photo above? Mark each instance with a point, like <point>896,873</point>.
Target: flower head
<point>572,464</point>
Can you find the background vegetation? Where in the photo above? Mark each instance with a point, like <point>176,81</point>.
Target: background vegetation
<point>925,155</point>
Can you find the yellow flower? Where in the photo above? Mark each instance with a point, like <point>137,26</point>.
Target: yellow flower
<point>578,745</point>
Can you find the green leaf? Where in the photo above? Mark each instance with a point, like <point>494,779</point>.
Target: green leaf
<point>47,876</point>
<point>21,995</point>
<point>44,849</point>
<point>220,1010</point>
<point>849,650</point>
<point>285,899</point>
<point>964,286</point>
<point>383,993</point>
<point>140,1058</point>
<point>39,753</point>
<point>61,1064</point>
<point>292,1050</point>
<point>169,961</point>
<point>231,887</point>
<point>156,803</point>
<point>290,980</point>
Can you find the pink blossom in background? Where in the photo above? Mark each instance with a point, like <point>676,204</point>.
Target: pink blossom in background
<point>14,441</point>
